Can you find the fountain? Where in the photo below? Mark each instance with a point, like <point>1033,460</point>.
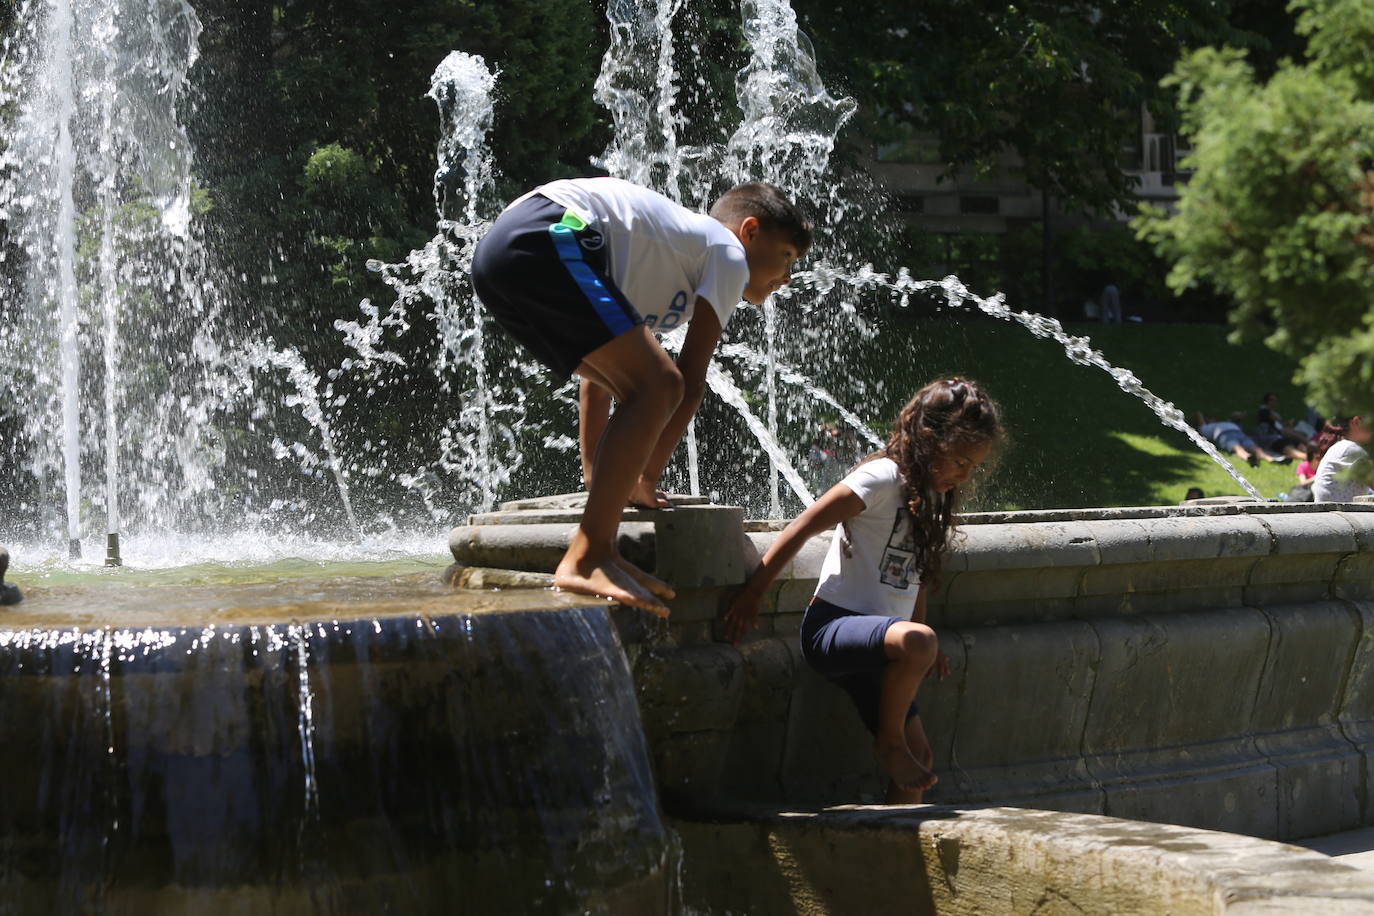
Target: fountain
<point>274,735</point>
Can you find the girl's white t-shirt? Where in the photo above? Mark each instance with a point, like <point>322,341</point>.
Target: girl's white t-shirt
<point>661,255</point>
<point>1340,457</point>
<point>880,575</point>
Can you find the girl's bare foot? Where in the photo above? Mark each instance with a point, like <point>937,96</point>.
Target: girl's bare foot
<point>647,496</point>
<point>653,584</point>
<point>905,770</point>
<point>607,580</point>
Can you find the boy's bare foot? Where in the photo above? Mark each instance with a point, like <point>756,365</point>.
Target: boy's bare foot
<point>607,581</point>
<point>647,496</point>
<point>652,583</point>
<point>906,772</point>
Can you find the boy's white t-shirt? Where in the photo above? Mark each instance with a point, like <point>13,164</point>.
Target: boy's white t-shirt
<point>1327,487</point>
<point>880,575</point>
<point>661,255</point>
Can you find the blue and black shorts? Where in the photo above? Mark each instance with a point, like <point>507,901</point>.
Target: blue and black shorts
<point>847,648</point>
<point>542,273</point>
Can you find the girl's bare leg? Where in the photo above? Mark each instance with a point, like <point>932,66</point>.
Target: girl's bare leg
<point>911,649</point>
<point>919,746</point>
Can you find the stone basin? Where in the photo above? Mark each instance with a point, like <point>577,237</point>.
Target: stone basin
<point>338,745</point>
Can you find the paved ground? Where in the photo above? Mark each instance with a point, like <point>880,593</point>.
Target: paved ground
<point>1353,847</point>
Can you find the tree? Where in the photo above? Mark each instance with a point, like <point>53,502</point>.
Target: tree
<point>1060,84</point>
<point>1279,213</point>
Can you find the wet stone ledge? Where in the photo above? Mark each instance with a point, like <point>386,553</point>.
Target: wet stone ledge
<point>1210,666</point>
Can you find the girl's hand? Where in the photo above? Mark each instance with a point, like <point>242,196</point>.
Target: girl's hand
<point>941,667</point>
<point>743,615</point>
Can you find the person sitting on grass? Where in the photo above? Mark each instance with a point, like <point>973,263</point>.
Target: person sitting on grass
<point>573,270</point>
<point>1229,437</point>
<point>1345,470</point>
<point>865,627</point>
<point>1273,434</point>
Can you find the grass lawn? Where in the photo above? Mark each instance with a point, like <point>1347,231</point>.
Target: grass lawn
<point>1077,439</point>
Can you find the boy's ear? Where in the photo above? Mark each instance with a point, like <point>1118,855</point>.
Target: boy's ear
<point>749,228</point>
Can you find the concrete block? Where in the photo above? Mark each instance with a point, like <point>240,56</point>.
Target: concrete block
<point>1120,541</point>
<point>1291,578</point>
<point>703,546</point>
<point>689,690</point>
<point>753,765</point>
<point>1003,596</point>
<point>697,604</point>
<point>829,756</point>
<point>1240,797</point>
<point>538,548</point>
<point>1162,587</point>
<point>1354,577</point>
<point>1028,546</point>
<point>1318,778</point>
<point>1158,676</point>
<point>1311,649</point>
<point>1356,713</point>
<point>1310,533</point>
<point>1362,523</point>
<point>1203,538</point>
<point>1023,703</point>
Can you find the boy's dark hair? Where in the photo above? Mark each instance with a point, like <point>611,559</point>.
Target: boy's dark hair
<point>946,413</point>
<point>769,206</point>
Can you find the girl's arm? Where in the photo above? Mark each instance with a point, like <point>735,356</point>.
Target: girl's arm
<point>836,505</point>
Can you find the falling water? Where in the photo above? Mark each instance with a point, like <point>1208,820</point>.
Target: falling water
<point>307,398</point>
<point>1078,349</point>
<point>327,765</point>
<point>478,445</point>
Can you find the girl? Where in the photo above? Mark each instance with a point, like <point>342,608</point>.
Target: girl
<point>865,628</point>
<point>1344,471</point>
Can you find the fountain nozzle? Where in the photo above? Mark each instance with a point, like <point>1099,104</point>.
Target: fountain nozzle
<point>112,557</point>
<point>74,549</point>
<point>9,594</point>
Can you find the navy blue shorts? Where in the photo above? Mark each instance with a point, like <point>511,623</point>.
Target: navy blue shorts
<point>542,274</point>
<point>847,648</point>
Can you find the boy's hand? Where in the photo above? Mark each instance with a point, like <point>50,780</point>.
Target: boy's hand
<point>941,667</point>
<point>743,615</point>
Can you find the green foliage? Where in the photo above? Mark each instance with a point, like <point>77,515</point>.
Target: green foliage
<point>1060,84</point>
<point>1279,214</point>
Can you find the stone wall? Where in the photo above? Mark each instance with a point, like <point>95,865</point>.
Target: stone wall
<point>1207,666</point>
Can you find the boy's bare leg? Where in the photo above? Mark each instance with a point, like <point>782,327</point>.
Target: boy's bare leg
<point>911,650</point>
<point>593,409</point>
<point>640,376</point>
<point>919,746</point>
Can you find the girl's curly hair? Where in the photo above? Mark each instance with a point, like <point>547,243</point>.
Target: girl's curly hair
<point>945,414</point>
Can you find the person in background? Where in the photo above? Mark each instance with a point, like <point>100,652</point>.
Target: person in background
<point>1193,493</point>
<point>1345,470</point>
<point>1109,304</point>
<point>1229,437</point>
<point>1273,434</point>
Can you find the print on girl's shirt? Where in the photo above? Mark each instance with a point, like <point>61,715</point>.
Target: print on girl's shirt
<point>899,558</point>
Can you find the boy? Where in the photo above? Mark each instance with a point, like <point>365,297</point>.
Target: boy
<point>581,272</point>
